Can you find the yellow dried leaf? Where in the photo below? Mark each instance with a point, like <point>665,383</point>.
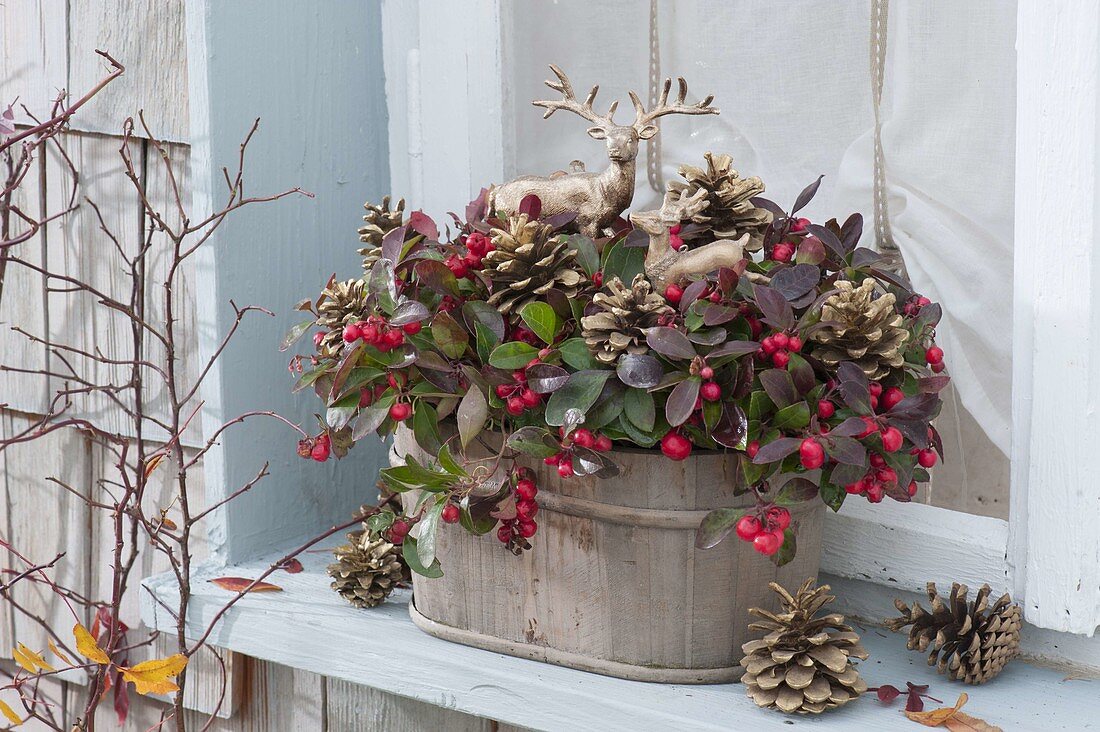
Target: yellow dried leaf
<point>963,722</point>
<point>10,714</point>
<point>154,677</point>
<point>30,660</point>
<point>87,646</point>
<point>152,464</point>
<point>57,652</point>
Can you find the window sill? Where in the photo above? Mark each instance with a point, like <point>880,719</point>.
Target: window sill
<point>307,626</point>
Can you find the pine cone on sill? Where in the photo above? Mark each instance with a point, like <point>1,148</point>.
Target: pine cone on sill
<point>527,262</point>
<point>970,642</point>
<point>366,570</point>
<point>868,330</point>
<point>621,318</point>
<point>804,663</point>
<point>341,303</point>
<point>731,213</point>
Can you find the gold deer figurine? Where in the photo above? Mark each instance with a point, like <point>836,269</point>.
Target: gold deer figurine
<point>666,265</point>
<point>598,198</point>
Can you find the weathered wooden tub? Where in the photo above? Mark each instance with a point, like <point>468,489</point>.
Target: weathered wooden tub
<point>613,583</point>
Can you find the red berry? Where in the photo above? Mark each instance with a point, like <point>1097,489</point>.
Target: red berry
<point>352,333</point>
<point>504,533</point>
<point>782,252</point>
<point>369,333</point>
<point>886,475</point>
<point>503,390</point>
<point>675,446</point>
<point>875,493</point>
<point>825,409</point>
<point>450,514</point>
<point>794,344</point>
<point>514,406</point>
<point>781,359</point>
<point>526,489</point>
<point>318,337</point>
<point>395,338</point>
<point>400,412</point>
<point>597,278</point>
<point>320,451</point>
<point>934,354</point>
<point>912,488</point>
<point>603,443</point>
<point>781,340</point>
<point>854,488</point>
<point>411,328</point>
<point>752,448</point>
<point>874,403</point>
<point>527,509</point>
<point>530,398</point>
<point>715,296</point>
<point>706,373</point>
<point>891,397</point>
<point>584,438</point>
<point>922,301</point>
<point>768,542</point>
<point>876,388</point>
<point>553,459</point>
<point>811,453</point>
<point>710,391</point>
<point>799,224</point>
<point>366,397</point>
<point>872,427</point>
<point>779,517</point>
<point>527,529</point>
<point>891,439</point>
<point>457,266</point>
<point>565,468</point>
<point>877,461</point>
<point>748,527</point>
<point>938,367</point>
<point>673,293</point>
<point>926,458</point>
<point>399,529</point>
<point>769,345</point>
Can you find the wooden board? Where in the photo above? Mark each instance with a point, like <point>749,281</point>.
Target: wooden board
<point>33,54</point>
<point>147,37</point>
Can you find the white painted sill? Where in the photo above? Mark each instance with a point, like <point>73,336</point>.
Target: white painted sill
<point>308,626</point>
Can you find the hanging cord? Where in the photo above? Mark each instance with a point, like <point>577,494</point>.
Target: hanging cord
<point>884,238</point>
<point>653,144</point>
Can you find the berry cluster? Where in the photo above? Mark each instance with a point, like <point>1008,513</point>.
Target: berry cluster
<point>398,530</point>
<point>577,438</point>
<point>766,528</point>
<point>783,251</point>
<point>778,347</point>
<point>317,448</point>
<point>378,333</point>
<point>517,395</point>
<point>914,304</point>
<point>515,532</point>
<point>477,246</point>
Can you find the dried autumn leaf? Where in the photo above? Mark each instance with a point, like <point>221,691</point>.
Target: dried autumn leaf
<point>239,584</point>
<point>152,463</point>
<point>87,647</point>
<point>57,652</point>
<point>10,714</point>
<point>155,677</point>
<point>31,661</point>
<point>953,719</point>
<point>291,566</point>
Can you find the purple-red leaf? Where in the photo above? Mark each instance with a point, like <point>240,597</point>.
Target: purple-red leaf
<point>794,282</point>
<point>531,205</point>
<point>544,378</point>
<point>806,195</point>
<point>776,450</point>
<point>933,384</point>
<point>392,244</point>
<point>681,401</point>
<point>669,342</point>
<point>779,386</point>
<point>422,223</point>
<point>640,371</point>
<point>734,348</point>
<point>851,231</point>
<point>777,311</point>
<point>732,427</point>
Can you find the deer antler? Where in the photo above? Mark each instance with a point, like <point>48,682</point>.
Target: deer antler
<point>570,104</point>
<point>676,208</point>
<point>644,118</point>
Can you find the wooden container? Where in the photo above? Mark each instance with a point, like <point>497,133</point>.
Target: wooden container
<point>613,583</point>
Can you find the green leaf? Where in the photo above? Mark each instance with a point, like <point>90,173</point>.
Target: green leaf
<point>624,262</point>
<point>639,409</point>
<point>425,425</point>
<point>790,547</point>
<point>575,353</point>
<point>794,417</point>
<point>587,256</point>
<point>429,529</point>
<point>832,495</point>
<point>541,319</point>
<point>295,333</point>
<point>447,462</point>
<point>340,412</point>
<point>486,341</point>
<point>760,405</point>
<point>512,355</point>
<point>309,377</point>
<point>472,413</point>
<point>449,336</point>
<point>716,526</point>
<point>796,490</point>
<point>580,392</point>
<point>532,441</point>
<point>379,522</point>
<point>411,554</point>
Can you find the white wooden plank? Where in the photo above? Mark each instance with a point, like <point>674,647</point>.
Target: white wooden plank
<point>906,545</point>
<point>43,520</point>
<point>355,708</point>
<point>148,39</point>
<point>275,698</point>
<point>1056,355</point>
<point>33,54</point>
<point>52,692</point>
<point>307,626</point>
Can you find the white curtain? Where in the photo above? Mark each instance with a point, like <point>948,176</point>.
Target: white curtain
<point>793,82</point>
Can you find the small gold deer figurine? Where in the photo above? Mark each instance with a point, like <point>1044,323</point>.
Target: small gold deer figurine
<point>665,265</point>
<point>598,198</point>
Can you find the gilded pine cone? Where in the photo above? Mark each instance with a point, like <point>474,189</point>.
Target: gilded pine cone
<point>865,329</point>
<point>731,213</point>
<point>621,317</point>
<point>528,262</point>
<point>341,303</point>
<point>366,571</point>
